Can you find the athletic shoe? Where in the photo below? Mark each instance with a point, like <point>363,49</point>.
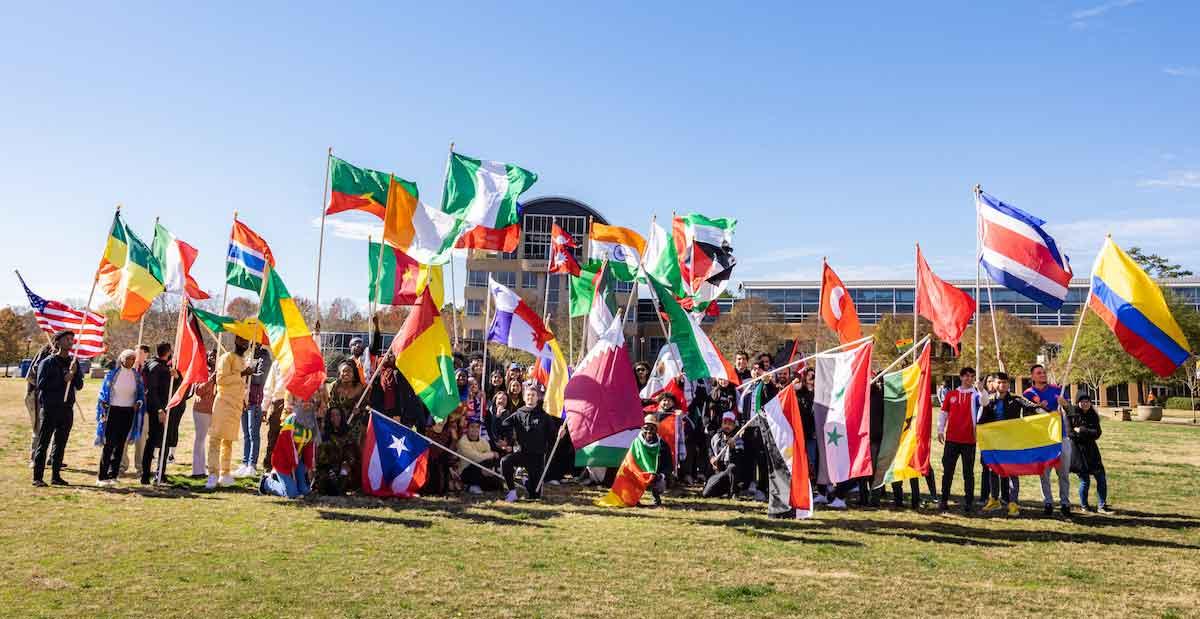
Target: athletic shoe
<point>1048,509</point>
<point>1014,509</point>
<point>943,506</point>
<point>1103,509</point>
<point>101,483</point>
<point>211,484</point>
<point>37,483</point>
<point>837,504</point>
<point>58,481</point>
<point>1088,508</point>
<point>553,482</point>
<point>819,499</point>
<point>475,490</point>
<point>991,505</point>
<point>511,497</point>
<point>759,496</point>
<point>1066,510</point>
<point>241,471</point>
<point>226,480</point>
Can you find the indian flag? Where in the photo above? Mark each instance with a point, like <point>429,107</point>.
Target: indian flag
<point>622,247</point>
<point>907,418</point>
<point>608,451</point>
<point>424,357</point>
<point>129,273</point>
<point>699,355</point>
<point>841,412</point>
<point>484,193</point>
<point>293,347</point>
<point>782,415</point>
<point>636,472</point>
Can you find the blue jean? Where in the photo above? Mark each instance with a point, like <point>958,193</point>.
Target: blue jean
<point>1101,487</point>
<point>251,434</point>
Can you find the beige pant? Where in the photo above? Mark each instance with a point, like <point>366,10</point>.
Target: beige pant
<point>219,451</point>
<point>137,447</point>
<point>31,407</point>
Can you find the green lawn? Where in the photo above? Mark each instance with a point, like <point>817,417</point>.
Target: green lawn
<point>84,551</point>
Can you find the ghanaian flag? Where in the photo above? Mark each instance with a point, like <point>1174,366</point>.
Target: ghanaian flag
<point>129,273</point>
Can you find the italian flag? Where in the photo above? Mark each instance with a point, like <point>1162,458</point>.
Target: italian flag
<point>841,412</point>
<point>398,279</point>
<point>662,261</point>
<point>484,193</point>
<point>636,472</point>
<point>782,415</point>
<point>176,258</point>
<point>293,347</point>
<point>699,355</point>
<point>907,420</point>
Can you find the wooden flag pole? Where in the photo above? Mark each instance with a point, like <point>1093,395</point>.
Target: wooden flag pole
<point>87,307</point>
<point>225,293</point>
<point>161,470</point>
<point>978,262</point>
<point>820,307</point>
<point>913,348</point>
<point>916,291</point>
<point>321,242</point>
<point>453,285</point>
<point>486,378</point>
<point>549,265</point>
<point>1083,309</point>
<point>995,331</point>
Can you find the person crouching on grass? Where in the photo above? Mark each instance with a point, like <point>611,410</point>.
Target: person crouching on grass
<point>534,435</point>
<point>474,447</point>
<point>728,458</point>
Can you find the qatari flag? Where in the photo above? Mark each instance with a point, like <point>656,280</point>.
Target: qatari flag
<point>602,395</point>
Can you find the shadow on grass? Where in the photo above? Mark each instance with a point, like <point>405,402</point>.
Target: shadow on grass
<point>944,532</point>
<point>151,492</point>
<point>358,517</point>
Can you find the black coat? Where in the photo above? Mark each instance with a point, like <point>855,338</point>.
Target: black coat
<point>1085,454</point>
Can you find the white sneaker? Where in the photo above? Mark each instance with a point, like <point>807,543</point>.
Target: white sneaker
<point>837,504</point>
<point>226,480</point>
<point>819,499</point>
<point>242,471</point>
<point>475,490</point>
<point>211,483</point>
<point>511,497</point>
<point>101,483</point>
<point>248,471</point>
<point>553,482</point>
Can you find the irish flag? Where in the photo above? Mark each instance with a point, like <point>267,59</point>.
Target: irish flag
<point>424,357</point>
<point>176,258</point>
<point>907,419</point>
<point>842,416</point>
<point>636,472</point>
<point>398,279</point>
<point>782,415</point>
<point>622,247</point>
<point>484,193</point>
<point>129,273</point>
<point>699,355</point>
<point>292,345</point>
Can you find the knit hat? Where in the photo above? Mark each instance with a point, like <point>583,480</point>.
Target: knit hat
<point>729,416</point>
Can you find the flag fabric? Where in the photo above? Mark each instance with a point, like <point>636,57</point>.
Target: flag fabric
<point>249,329</point>
<point>663,377</point>
<point>561,258</point>
<point>247,258</point>
<point>603,307</point>
<point>295,352</point>
<point>601,398</point>
<point>607,451</point>
<point>398,279</point>
<point>395,458</point>
<point>707,253</point>
<point>176,258</point>
<point>662,261</point>
<point>622,247</point>
<point>554,367</point>
<point>1019,255</point>
<point>53,316</point>
<point>699,356</point>
<point>782,416</point>
<point>354,188</point>
<point>907,421</point>
<point>841,412</point>
<point>948,308</point>
<point>484,193</point>
<point>515,324</point>
<point>1023,446</point>
<point>636,472</point>
<point>1133,307</point>
<point>191,359</point>
<point>425,358</point>
<point>583,288</point>
<point>671,435</point>
<point>424,233</point>
<point>837,308</point>
<point>490,239</point>
<point>129,273</point>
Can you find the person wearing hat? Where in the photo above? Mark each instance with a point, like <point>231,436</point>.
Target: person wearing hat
<point>649,436</point>
<point>478,450</point>
<point>1083,428</point>
<point>227,413</point>
<point>365,358</point>
<point>727,454</point>
<point>58,378</point>
<point>516,372</point>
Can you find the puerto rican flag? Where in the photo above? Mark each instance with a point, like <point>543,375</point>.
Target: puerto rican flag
<point>516,325</point>
<point>395,458</point>
<point>1018,254</point>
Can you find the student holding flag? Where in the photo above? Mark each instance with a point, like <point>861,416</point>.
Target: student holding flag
<point>956,430</point>
<point>1048,396</point>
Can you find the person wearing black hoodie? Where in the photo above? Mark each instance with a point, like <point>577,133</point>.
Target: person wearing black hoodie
<point>534,434</point>
<point>158,394</point>
<point>1083,428</point>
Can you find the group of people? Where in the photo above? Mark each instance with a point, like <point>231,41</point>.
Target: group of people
<point>503,433</point>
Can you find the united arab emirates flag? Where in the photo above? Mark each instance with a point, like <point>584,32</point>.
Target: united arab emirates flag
<point>907,418</point>
<point>398,279</point>
<point>484,193</point>
<point>636,472</point>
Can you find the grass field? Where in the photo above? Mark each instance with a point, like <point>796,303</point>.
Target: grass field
<point>84,551</point>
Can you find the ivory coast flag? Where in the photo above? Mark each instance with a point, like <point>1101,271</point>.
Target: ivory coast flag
<point>129,273</point>
<point>426,234</point>
<point>622,247</point>
<point>424,357</point>
<point>907,418</point>
<point>636,472</point>
<point>295,352</point>
<point>484,193</point>
<point>249,329</point>
<point>398,279</point>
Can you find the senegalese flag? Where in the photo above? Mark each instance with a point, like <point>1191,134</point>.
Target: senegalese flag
<point>398,279</point>
<point>295,352</point>
<point>129,273</point>
<point>425,358</point>
<point>354,188</point>
<point>907,418</point>
<point>249,329</point>
<point>634,476</point>
<point>484,193</point>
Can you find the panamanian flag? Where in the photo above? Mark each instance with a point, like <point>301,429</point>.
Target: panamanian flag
<point>1019,255</point>
<point>394,458</point>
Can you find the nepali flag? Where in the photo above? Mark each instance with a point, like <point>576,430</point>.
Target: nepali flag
<point>561,258</point>
<point>1018,254</point>
<point>394,458</point>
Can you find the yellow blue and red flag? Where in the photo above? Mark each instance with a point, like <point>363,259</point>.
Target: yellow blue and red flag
<point>1023,446</point>
<point>1133,307</point>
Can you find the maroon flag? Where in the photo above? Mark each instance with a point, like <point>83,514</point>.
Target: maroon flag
<point>601,398</point>
<point>947,307</point>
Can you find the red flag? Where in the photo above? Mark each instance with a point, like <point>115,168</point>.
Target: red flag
<point>671,435</point>
<point>837,308</point>
<point>948,308</point>
<point>191,359</point>
<point>491,239</point>
<point>561,258</point>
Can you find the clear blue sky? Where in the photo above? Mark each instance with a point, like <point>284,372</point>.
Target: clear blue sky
<point>849,132</point>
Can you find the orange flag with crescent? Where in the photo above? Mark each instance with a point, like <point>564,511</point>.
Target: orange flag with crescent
<point>837,308</point>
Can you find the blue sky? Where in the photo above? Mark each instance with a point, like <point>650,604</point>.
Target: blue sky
<point>849,132</point>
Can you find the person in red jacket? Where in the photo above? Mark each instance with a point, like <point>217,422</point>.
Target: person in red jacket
<point>956,430</point>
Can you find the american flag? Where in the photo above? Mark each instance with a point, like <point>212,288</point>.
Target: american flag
<point>53,316</point>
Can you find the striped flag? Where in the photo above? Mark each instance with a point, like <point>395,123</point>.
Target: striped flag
<point>1018,254</point>
<point>247,258</point>
<point>53,316</point>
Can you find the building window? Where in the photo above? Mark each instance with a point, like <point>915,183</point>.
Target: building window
<point>477,279</point>
<point>508,278</point>
<point>475,334</point>
<point>555,283</point>
<point>529,279</point>
<point>535,243</point>
<point>474,307</point>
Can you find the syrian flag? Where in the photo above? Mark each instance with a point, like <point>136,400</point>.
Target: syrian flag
<point>663,378</point>
<point>394,458</point>
<point>604,305</point>
<point>698,355</point>
<point>191,359</point>
<point>176,258</point>
<point>601,398</point>
<point>841,411</point>
<point>782,415</point>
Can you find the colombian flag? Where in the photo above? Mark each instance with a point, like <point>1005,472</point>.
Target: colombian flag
<point>424,357</point>
<point>1132,305</point>
<point>1025,446</point>
<point>292,345</point>
<point>129,273</point>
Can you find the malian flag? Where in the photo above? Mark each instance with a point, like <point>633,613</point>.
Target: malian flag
<point>248,258</point>
<point>129,273</point>
<point>837,308</point>
<point>782,415</point>
<point>176,258</point>
<point>295,351</point>
<point>636,472</point>
<point>841,412</point>
<point>948,308</point>
<point>191,359</point>
<point>601,398</point>
<point>395,458</point>
<point>1019,255</point>
<point>907,421</point>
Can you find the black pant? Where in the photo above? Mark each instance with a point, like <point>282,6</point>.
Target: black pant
<point>154,439</point>
<point>55,423</point>
<point>914,485</point>
<point>723,482</point>
<point>116,430</point>
<point>274,423</point>
<point>953,452</point>
<point>757,450</point>
<point>472,476</point>
<point>533,463</point>
<point>985,480</point>
<point>173,419</point>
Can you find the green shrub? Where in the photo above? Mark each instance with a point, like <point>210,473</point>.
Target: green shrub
<point>1182,403</point>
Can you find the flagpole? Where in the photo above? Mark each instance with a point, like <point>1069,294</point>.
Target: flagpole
<point>550,459</point>
<point>87,308</point>
<point>911,350</point>
<point>321,242</point>
<point>487,309</point>
<point>549,264</point>
<point>764,375</point>
<point>462,457</point>
<point>995,332</point>
<point>453,285</point>
<point>820,307</point>
<point>978,259</point>
<point>654,293</point>
<point>162,452</point>
<point>1083,308</point>
<point>916,290</point>
<point>225,293</point>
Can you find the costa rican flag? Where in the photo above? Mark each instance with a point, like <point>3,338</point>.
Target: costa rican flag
<point>1018,254</point>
